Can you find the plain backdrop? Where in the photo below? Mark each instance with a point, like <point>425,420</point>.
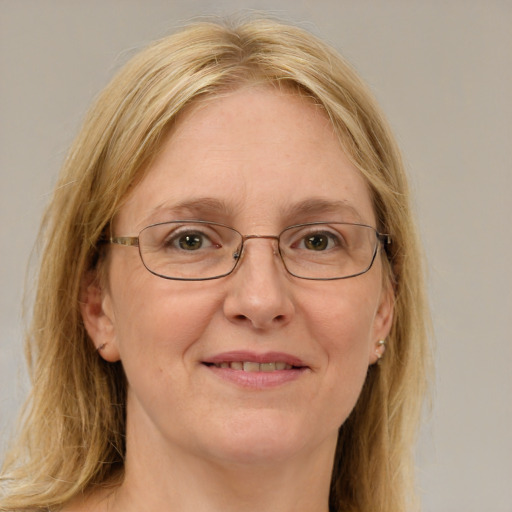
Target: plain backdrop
<point>442,71</point>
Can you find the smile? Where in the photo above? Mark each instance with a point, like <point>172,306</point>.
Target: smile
<point>252,366</point>
<point>257,371</point>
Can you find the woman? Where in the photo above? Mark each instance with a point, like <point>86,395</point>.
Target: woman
<point>228,254</point>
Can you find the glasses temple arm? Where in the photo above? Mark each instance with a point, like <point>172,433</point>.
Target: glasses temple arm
<point>125,240</point>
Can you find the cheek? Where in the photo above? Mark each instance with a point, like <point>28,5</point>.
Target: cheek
<point>158,331</point>
<point>340,321</point>
<point>156,320</point>
<point>341,318</point>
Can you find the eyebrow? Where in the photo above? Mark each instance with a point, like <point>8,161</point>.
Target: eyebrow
<point>210,208</point>
<point>319,206</point>
<point>196,208</point>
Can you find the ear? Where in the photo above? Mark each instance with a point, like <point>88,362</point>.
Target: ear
<point>382,323</point>
<point>98,317</point>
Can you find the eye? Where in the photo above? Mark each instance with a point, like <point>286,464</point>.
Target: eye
<point>318,241</point>
<point>189,240</point>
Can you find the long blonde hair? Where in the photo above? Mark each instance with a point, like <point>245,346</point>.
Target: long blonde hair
<point>72,436</point>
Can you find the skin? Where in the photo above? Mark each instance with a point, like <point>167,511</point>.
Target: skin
<point>196,441</point>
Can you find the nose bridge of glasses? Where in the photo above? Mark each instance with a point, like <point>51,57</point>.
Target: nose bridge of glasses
<point>250,237</point>
<point>275,249</point>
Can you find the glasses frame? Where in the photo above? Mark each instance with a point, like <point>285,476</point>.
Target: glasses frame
<point>383,239</point>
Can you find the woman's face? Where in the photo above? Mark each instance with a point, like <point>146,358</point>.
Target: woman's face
<point>257,160</point>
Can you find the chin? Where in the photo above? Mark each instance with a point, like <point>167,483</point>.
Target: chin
<point>258,438</point>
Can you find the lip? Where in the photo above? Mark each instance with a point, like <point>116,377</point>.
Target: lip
<point>259,379</point>
<point>244,355</point>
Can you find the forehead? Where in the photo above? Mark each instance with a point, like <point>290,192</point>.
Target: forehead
<point>254,156</point>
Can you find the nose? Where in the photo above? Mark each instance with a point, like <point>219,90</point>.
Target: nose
<point>259,292</point>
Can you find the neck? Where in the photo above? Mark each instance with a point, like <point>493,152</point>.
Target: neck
<point>169,479</point>
<point>212,488</point>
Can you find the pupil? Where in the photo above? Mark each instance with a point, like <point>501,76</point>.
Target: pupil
<point>316,242</point>
<point>190,242</point>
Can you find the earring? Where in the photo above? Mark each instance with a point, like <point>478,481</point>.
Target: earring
<point>381,348</point>
<point>101,347</point>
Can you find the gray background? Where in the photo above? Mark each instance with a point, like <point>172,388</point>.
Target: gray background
<point>442,71</point>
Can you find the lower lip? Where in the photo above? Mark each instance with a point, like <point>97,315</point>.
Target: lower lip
<point>257,380</point>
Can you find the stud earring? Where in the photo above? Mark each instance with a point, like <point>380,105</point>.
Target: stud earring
<point>101,347</point>
<point>381,348</point>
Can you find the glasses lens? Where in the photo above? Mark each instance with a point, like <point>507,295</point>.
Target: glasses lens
<point>328,250</point>
<point>189,249</point>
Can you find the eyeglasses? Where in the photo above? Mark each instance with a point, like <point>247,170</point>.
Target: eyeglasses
<point>196,250</point>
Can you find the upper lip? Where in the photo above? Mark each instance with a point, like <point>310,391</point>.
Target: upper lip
<point>244,355</point>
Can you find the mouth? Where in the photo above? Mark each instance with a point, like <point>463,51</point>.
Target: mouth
<point>253,366</point>
<point>249,369</point>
